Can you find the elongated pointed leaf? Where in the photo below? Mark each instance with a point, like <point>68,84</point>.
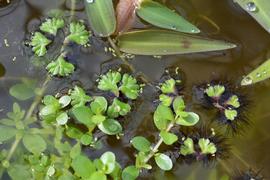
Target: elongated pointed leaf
<point>259,74</point>
<point>125,14</point>
<point>101,16</point>
<point>163,42</point>
<point>159,15</point>
<point>259,10</point>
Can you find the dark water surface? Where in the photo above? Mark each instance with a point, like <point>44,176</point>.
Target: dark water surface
<point>251,150</point>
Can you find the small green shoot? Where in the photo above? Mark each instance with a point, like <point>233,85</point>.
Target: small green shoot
<point>206,146</point>
<point>60,67</point>
<point>39,43</point>
<point>51,26</point>
<point>188,147</point>
<point>215,91</point>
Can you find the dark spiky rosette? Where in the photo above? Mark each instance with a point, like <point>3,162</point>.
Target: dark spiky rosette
<point>227,100</point>
<point>200,144</point>
<point>248,175</point>
<point>170,85</point>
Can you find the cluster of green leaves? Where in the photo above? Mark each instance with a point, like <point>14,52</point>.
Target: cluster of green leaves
<point>206,147</point>
<point>229,107</point>
<point>169,91</point>
<point>77,33</point>
<point>114,82</point>
<point>165,117</point>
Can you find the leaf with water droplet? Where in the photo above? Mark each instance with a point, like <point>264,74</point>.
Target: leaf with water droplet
<point>163,42</point>
<point>259,74</point>
<point>159,15</point>
<point>259,10</point>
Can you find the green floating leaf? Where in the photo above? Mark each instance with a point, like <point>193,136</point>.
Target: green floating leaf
<point>22,91</point>
<point>83,166</point>
<point>162,116</point>
<point>99,105</point>
<point>51,26</point>
<point>130,173</point>
<point>108,160</point>
<point>101,16</point>
<point>230,114</point>
<point>163,161</point>
<point>34,143</point>
<point>188,147</point>
<point>86,139</point>
<point>118,108</point>
<point>110,127</point>
<point>62,118</point>
<point>75,151</point>
<point>18,172</point>
<point>73,132</point>
<point>168,86</point>
<point>168,138</point>
<point>234,101</point>
<point>190,120</point>
<point>162,42</point>
<point>207,147</point>
<point>7,133</point>
<point>159,15</point>
<point>165,99</point>
<point>259,74</point>
<point>83,114</point>
<point>60,67</point>
<point>79,97</point>
<point>39,43</point>
<point>129,87</point>
<point>178,105</point>
<point>259,10</point>
<point>98,176</point>
<point>78,33</point>
<point>109,81</point>
<point>65,101</point>
<point>141,144</point>
<point>215,91</point>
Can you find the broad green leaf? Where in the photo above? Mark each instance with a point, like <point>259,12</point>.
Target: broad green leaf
<point>97,176</point>
<point>19,172</point>
<point>51,26</point>
<point>129,87</point>
<point>207,147</point>
<point>163,161</point>
<point>83,114</point>
<point>109,81</point>
<point>101,16</point>
<point>168,86</point>
<point>86,139</point>
<point>215,91</point>
<point>141,159</point>
<point>187,148</point>
<point>75,151</point>
<point>168,138</point>
<point>34,143</point>
<point>234,101</point>
<point>163,42</point>
<point>259,74</point>
<point>97,119</point>
<point>22,91</point>
<point>130,173</point>
<point>110,127</point>
<point>159,15</point>
<point>141,144</point>
<point>65,101</point>
<point>118,108</point>
<point>178,105</point>
<point>78,33</point>
<point>60,67</point>
<point>259,10</point>
<point>230,114</point>
<point>79,97</point>
<point>39,43</point>
<point>7,133</point>
<point>162,116</point>
<point>73,132</point>
<point>165,99</point>
<point>189,120</point>
<point>83,166</point>
<point>62,118</point>
<point>108,159</point>
<point>99,105</point>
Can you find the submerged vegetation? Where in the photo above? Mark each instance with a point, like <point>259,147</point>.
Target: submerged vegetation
<point>53,137</point>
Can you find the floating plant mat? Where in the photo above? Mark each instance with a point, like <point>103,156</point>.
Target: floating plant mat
<point>75,105</point>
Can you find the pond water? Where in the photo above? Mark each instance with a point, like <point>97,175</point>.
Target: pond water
<point>217,19</point>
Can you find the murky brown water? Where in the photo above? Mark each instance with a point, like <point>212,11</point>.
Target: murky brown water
<point>251,150</point>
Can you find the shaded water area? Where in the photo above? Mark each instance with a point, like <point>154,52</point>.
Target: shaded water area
<point>217,19</point>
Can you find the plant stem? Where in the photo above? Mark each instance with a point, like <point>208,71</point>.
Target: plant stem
<point>155,149</point>
<point>28,115</point>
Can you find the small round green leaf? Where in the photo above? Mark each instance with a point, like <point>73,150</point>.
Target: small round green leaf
<point>62,118</point>
<point>98,176</point>
<point>168,138</point>
<point>189,120</point>
<point>22,91</point>
<point>130,173</point>
<point>108,159</point>
<point>83,166</point>
<point>162,116</point>
<point>83,114</point>
<point>110,127</point>
<point>141,144</point>
<point>34,143</point>
<point>6,133</point>
<point>163,161</point>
